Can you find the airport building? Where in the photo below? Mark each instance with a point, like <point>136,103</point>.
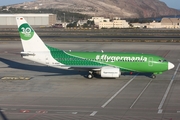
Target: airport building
<point>114,24</point>
<point>32,19</point>
<point>169,23</point>
<point>97,20</point>
<point>102,22</point>
<point>154,25</point>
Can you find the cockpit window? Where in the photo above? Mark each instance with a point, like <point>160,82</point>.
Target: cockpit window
<point>162,60</point>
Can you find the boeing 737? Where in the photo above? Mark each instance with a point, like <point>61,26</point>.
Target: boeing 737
<point>105,64</point>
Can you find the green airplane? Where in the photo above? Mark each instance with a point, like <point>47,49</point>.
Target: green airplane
<point>105,64</point>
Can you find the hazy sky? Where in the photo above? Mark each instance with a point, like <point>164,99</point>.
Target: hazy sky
<point>8,2</point>
<point>170,3</point>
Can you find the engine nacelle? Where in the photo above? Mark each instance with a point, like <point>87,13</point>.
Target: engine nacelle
<point>110,72</point>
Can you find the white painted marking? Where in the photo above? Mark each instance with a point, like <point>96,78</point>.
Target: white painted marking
<point>167,91</point>
<point>93,113</point>
<point>74,113</point>
<point>178,111</point>
<point>140,94</point>
<point>41,111</point>
<point>160,111</point>
<point>106,103</point>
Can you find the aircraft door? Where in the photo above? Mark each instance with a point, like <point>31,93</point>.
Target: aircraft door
<point>150,61</point>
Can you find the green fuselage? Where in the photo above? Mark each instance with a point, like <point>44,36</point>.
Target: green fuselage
<point>126,62</point>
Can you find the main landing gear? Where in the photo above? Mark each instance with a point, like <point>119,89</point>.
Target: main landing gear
<point>90,75</point>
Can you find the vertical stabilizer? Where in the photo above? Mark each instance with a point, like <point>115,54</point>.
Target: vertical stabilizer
<point>30,40</point>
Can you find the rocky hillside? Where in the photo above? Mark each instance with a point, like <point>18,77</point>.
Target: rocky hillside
<point>106,8</point>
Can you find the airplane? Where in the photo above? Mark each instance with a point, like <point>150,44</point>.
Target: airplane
<point>104,64</point>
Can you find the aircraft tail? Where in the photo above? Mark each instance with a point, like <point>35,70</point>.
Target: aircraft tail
<point>30,40</point>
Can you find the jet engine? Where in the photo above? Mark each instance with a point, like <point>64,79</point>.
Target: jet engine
<point>110,72</point>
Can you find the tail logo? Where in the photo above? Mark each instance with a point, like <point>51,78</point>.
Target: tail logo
<point>26,32</point>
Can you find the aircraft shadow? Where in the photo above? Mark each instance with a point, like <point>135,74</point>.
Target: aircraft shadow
<point>54,71</point>
<point>139,74</point>
<point>47,69</point>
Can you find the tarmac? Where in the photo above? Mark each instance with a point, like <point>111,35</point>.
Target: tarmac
<point>31,91</point>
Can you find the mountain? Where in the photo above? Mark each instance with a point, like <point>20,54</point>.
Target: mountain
<point>106,8</point>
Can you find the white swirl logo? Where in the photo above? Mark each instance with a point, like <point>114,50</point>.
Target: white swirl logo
<point>26,31</point>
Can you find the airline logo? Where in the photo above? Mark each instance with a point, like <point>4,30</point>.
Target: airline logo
<point>26,32</point>
<point>120,58</point>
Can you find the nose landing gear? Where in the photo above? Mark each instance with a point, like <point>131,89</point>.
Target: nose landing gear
<point>153,76</point>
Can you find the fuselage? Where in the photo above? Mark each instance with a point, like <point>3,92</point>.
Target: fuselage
<point>126,62</point>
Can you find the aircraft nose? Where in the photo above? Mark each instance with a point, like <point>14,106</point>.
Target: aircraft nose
<point>170,65</point>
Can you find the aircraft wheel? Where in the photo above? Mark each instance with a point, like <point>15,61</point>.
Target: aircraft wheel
<point>153,76</point>
<point>90,76</point>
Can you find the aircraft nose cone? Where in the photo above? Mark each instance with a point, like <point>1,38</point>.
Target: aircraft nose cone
<point>170,65</point>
